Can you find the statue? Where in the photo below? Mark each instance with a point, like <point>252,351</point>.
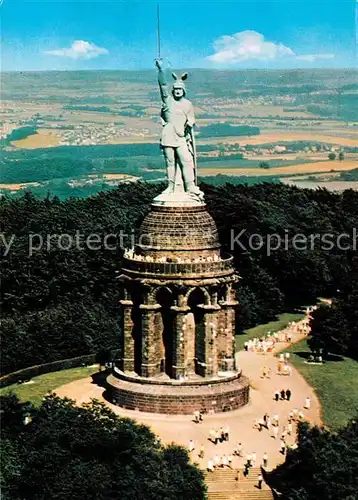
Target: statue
<point>177,141</point>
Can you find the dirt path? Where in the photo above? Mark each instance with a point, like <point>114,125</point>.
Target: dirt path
<point>181,428</point>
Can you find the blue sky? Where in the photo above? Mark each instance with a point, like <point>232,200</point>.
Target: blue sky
<point>56,34</point>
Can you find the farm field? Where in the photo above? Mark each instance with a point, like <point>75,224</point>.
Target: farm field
<point>60,128</point>
<point>43,139</point>
<point>18,187</point>
<point>301,168</point>
<point>281,136</point>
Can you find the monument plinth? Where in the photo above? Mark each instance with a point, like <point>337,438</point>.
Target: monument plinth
<point>178,301</point>
<point>178,318</point>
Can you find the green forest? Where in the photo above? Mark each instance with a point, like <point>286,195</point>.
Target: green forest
<point>57,304</point>
<point>88,452</point>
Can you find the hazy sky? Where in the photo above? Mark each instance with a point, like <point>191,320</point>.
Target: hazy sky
<point>115,34</point>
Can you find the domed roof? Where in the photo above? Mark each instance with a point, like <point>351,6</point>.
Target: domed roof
<point>179,228</point>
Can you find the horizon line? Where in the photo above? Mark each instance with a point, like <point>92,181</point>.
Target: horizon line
<point>173,68</point>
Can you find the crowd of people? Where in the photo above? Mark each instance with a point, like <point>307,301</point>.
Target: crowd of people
<point>130,253</point>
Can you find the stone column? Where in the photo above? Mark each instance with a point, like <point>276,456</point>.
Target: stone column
<point>180,341</point>
<point>209,366</point>
<point>227,329</point>
<point>150,364</point>
<point>127,359</point>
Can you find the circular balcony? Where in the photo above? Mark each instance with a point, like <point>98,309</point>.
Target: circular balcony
<point>179,270</point>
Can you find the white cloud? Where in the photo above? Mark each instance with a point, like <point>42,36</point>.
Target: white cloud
<point>247,45</point>
<point>314,57</point>
<point>79,50</point>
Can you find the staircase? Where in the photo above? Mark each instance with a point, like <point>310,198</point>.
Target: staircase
<point>222,485</point>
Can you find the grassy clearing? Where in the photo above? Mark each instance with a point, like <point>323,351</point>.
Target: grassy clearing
<point>272,326</point>
<point>335,384</point>
<point>41,385</point>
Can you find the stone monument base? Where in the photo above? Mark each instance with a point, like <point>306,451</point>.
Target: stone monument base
<point>177,397</point>
<point>178,199</point>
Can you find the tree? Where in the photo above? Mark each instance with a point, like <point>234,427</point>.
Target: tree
<point>89,452</point>
<point>341,156</point>
<point>264,164</point>
<point>334,329</point>
<point>332,156</point>
<point>324,465</point>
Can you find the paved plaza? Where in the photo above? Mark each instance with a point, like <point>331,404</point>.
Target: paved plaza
<point>182,429</point>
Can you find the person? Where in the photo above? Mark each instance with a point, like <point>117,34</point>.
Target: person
<point>212,436</point>
<point>246,346</point>
<point>222,435</point>
<point>289,428</point>
<point>191,445</point>
<point>246,470</point>
<point>275,431</point>
<point>177,140</point>
<point>201,452</point>
<point>287,356</point>
<point>224,461</point>
<point>196,417</point>
<point>230,459</point>
<point>282,447</point>
<point>277,396</point>
<point>226,433</point>
<point>210,465</point>
<point>283,394</point>
<point>308,403</point>
<point>288,394</point>
<point>216,461</point>
<point>237,476</point>
<point>269,373</point>
<point>268,423</point>
<point>261,423</point>
<point>238,450</point>
<point>200,416</point>
<point>217,437</point>
<point>265,460</point>
<point>259,481</point>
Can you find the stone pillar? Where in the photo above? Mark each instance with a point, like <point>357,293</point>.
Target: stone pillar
<point>180,341</point>
<point>227,330</point>
<point>127,359</point>
<point>209,365</point>
<point>150,364</point>
<point>189,335</point>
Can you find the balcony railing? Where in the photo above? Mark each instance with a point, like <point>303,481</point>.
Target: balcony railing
<point>180,269</point>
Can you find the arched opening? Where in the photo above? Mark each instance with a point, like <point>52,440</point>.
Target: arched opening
<point>197,298</point>
<point>222,293</point>
<point>165,298</point>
